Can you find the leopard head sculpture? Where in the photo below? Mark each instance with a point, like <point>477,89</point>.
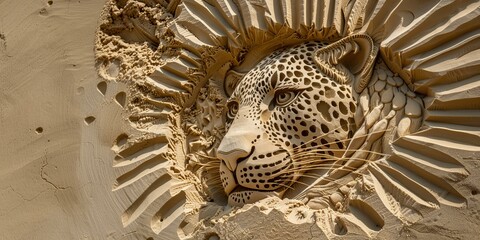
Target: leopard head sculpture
<point>291,114</point>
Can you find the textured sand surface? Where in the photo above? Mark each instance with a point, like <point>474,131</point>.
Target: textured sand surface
<point>60,179</point>
<point>55,182</point>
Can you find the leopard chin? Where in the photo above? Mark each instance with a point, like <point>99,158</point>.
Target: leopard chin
<point>241,195</point>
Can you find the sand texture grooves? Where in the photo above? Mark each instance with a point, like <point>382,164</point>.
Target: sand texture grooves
<point>111,113</point>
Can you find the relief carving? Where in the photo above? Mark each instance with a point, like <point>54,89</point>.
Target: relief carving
<point>342,114</point>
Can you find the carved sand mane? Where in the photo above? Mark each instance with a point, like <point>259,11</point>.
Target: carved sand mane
<point>348,110</point>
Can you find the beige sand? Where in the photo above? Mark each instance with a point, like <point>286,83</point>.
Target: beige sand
<point>54,173</point>
<point>99,139</point>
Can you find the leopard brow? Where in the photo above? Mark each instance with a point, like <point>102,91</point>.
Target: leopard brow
<point>230,100</point>
<point>290,88</point>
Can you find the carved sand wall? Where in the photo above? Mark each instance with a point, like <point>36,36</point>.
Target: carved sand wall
<point>384,133</point>
<point>229,119</point>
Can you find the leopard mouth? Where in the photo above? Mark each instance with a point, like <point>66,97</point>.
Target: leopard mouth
<point>241,195</point>
<point>262,173</point>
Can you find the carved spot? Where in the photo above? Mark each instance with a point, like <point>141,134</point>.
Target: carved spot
<point>323,108</point>
<point>352,107</point>
<point>329,93</point>
<point>343,108</point>
<point>325,129</point>
<point>344,124</point>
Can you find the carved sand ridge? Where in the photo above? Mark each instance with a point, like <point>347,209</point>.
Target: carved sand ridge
<point>193,68</point>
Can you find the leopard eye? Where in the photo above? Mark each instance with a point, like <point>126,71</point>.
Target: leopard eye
<point>232,109</point>
<point>284,98</point>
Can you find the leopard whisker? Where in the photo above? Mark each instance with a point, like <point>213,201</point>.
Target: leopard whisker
<point>290,181</point>
<point>321,167</point>
<point>306,168</point>
<point>313,177</point>
<point>336,141</point>
<point>338,165</point>
<point>314,157</point>
<point>329,180</point>
<point>316,168</point>
<point>323,157</point>
<point>281,182</point>
<point>303,168</point>
<point>319,150</point>
<point>313,154</point>
<point>313,162</point>
<point>306,160</point>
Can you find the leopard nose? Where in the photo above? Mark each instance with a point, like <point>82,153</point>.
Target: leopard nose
<point>238,141</point>
<point>230,152</point>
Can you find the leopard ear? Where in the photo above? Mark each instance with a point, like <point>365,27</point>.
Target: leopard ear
<point>232,79</point>
<point>349,60</point>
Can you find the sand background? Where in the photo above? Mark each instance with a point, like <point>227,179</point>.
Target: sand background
<point>53,183</point>
<point>57,129</point>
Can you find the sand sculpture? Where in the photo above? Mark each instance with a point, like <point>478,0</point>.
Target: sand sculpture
<point>328,118</point>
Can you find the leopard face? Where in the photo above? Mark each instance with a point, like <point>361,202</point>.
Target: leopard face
<point>284,118</point>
